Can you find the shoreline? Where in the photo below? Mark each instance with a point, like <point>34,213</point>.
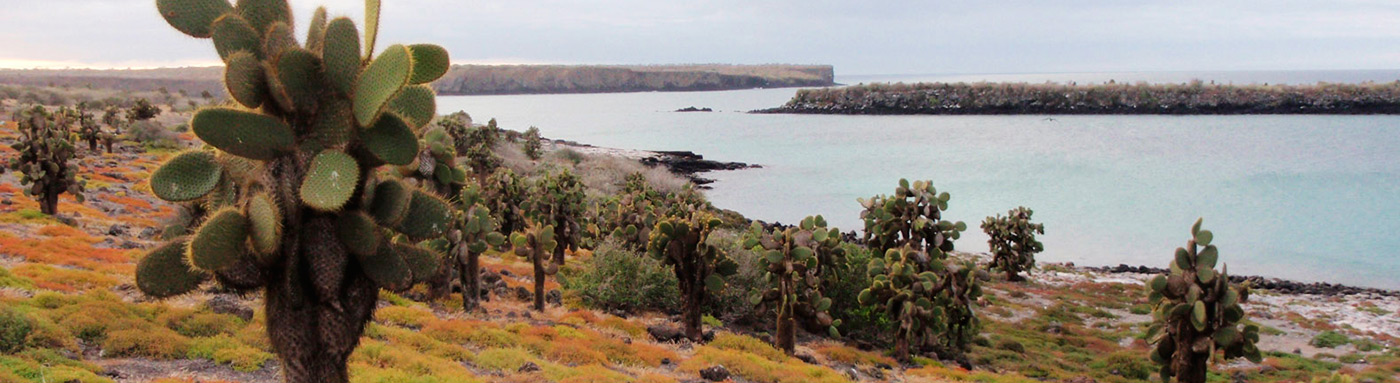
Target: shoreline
<point>686,164</point>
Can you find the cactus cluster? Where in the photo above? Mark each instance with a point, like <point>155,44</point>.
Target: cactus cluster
<point>536,242</point>
<point>1196,312</point>
<point>297,206</point>
<point>142,109</point>
<point>474,233</point>
<point>1012,241</point>
<point>115,119</point>
<point>504,195</point>
<point>927,294</point>
<point>436,163</point>
<point>531,144</point>
<point>630,215</point>
<point>682,241</point>
<point>89,129</point>
<point>794,259</point>
<point>46,155</point>
<point>557,201</point>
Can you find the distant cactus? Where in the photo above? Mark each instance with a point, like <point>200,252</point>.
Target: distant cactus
<point>682,242</point>
<point>794,260</point>
<point>537,243</point>
<point>629,216</point>
<point>532,143</point>
<point>435,169</point>
<point>475,232</point>
<point>928,295</point>
<point>46,155</point>
<point>557,201</point>
<point>143,109</point>
<point>504,193</point>
<point>297,209</point>
<point>1012,241</point>
<point>114,119</point>
<point>88,127</point>
<point>1197,312</point>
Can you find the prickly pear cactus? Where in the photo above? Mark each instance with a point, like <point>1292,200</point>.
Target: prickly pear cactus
<point>296,208</point>
<point>794,258</point>
<point>436,163</point>
<point>683,243</point>
<point>630,215</point>
<point>504,194</point>
<point>474,233</point>
<point>88,127</point>
<point>532,143</point>
<point>536,243</point>
<point>46,154</point>
<point>557,200</point>
<point>929,295</point>
<point>1197,313</point>
<point>143,109</point>
<point>115,119</point>
<point>1012,241</point>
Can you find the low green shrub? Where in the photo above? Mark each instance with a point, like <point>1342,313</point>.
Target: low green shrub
<point>616,278</point>
<point>14,329</point>
<point>1329,339</point>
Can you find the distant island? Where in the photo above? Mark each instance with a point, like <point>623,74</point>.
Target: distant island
<point>1194,97</point>
<point>473,79</point>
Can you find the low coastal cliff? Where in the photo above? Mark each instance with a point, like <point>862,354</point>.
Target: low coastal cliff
<point>1020,98</point>
<point>533,79</point>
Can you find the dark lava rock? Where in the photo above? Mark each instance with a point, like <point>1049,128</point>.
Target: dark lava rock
<point>694,109</point>
<point>554,297</point>
<point>715,374</point>
<point>227,304</point>
<point>664,333</point>
<point>529,367</point>
<point>147,233</point>
<point>806,358</point>
<point>521,293</point>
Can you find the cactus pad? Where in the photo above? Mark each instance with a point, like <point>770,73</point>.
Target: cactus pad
<point>263,13</point>
<point>392,141</point>
<point>422,263</point>
<point>187,176</point>
<point>335,125</point>
<point>391,200</point>
<point>164,272</point>
<point>245,79</point>
<point>264,223</point>
<point>428,216</point>
<point>341,54</point>
<point>386,267</point>
<point>379,82</point>
<point>220,241</point>
<point>316,33</point>
<point>358,232</point>
<point>193,17</point>
<point>415,105</point>
<point>371,25</point>
<point>295,83</point>
<point>331,181</point>
<point>430,62</point>
<point>244,134</point>
<point>233,34</point>
<point>279,38</point>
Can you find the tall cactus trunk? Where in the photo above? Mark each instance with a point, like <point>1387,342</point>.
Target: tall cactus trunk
<point>901,342</point>
<point>1011,276</point>
<point>787,331</point>
<point>313,340</point>
<point>49,205</point>
<point>539,282</point>
<point>470,275</point>
<point>691,315</point>
<point>559,232</point>
<point>1190,367</point>
<point>92,144</point>
<point>440,284</point>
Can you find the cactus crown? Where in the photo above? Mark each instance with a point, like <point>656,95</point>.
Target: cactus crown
<point>683,242</point>
<point>46,155</point>
<point>1197,310</point>
<point>795,259</point>
<point>1012,240</point>
<point>557,200</point>
<point>532,143</point>
<point>290,175</point>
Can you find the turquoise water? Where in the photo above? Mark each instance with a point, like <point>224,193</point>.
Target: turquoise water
<point>1314,198</point>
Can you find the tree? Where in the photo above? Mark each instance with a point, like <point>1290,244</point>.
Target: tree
<point>682,242</point>
<point>297,208</point>
<point>142,110</point>
<point>557,201</point>
<point>1012,241</point>
<point>46,158</point>
<point>532,143</point>
<point>474,234</point>
<point>794,258</point>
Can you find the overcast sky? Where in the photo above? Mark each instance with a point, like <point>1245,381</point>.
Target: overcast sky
<point>858,37</point>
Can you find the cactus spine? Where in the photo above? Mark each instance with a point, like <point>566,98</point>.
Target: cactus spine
<point>46,154</point>
<point>1012,241</point>
<point>682,242</point>
<point>794,259</point>
<point>298,210</point>
<point>1197,312</point>
<point>536,243</point>
<point>929,295</point>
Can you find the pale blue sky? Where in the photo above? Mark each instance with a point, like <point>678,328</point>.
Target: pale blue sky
<point>858,37</point>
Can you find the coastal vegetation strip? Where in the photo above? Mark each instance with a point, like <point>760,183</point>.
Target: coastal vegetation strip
<point>1195,97</point>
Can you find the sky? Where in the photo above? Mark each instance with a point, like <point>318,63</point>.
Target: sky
<point>857,37</point>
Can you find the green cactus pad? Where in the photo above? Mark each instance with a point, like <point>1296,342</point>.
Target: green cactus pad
<point>341,54</point>
<point>279,38</point>
<point>245,79</point>
<point>358,232</point>
<point>316,33</point>
<point>263,13</point>
<point>330,181</point>
<point>371,26</point>
<point>392,141</point>
<point>335,124</point>
<point>164,272</point>
<point>295,82</point>
<point>220,241</point>
<point>244,134</point>
<point>391,200</point>
<point>386,267</point>
<point>233,34</point>
<point>187,176</point>
<point>428,216</point>
<point>430,62</point>
<point>264,223</point>
<point>193,17</point>
<point>422,263</point>
<point>416,105</point>
<point>379,82</point>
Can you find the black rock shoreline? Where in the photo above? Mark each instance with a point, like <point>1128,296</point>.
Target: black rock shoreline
<point>1283,286</point>
<point>683,163</point>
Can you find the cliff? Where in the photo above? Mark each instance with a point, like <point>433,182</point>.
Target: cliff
<point>530,79</point>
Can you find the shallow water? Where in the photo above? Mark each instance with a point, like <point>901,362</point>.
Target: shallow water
<point>1300,197</point>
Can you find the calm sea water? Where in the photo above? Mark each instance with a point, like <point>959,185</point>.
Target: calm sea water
<point>1314,198</point>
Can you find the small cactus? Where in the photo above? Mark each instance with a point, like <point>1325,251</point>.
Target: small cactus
<point>115,119</point>
<point>46,154</point>
<point>88,127</point>
<point>683,243</point>
<point>1197,312</point>
<point>794,259</point>
<point>929,295</point>
<point>532,146</point>
<point>296,206</point>
<point>142,110</point>
<point>1012,241</point>
<point>475,232</point>
<point>504,193</point>
<point>557,200</point>
<point>629,216</point>
<point>536,243</point>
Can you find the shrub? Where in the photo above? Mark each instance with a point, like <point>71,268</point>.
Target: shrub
<point>531,146</point>
<point>1329,339</point>
<point>158,342</point>
<point>616,278</point>
<point>502,359</point>
<point>151,134</point>
<point>1130,365</point>
<point>15,327</point>
<point>844,286</point>
<point>198,324</point>
<point>732,304</point>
